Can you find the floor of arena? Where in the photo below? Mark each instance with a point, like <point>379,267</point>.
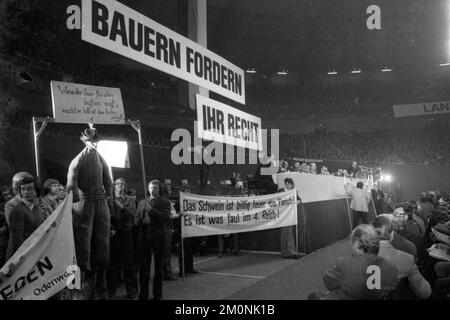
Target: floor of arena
<point>252,276</point>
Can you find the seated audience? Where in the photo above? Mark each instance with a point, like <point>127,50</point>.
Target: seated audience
<point>408,272</point>
<point>349,279</point>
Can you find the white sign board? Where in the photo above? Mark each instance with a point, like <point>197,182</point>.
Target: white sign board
<point>219,122</point>
<point>80,103</point>
<point>421,109</point>
<point>210,215</point>
<point>316,187</point>
<point>120,29</point>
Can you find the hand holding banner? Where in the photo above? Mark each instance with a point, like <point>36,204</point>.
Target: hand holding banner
<point>44,264</point>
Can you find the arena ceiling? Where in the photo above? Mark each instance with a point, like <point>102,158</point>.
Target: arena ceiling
<point>305,37</point>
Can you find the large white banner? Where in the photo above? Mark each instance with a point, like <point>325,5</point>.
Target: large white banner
<point>421,109</point>
<point>118,28</point>
<point>316,187</point>
<point>207,215</point>
<point>219,122</point>
<point>81,103</point>
<point>45,262</point>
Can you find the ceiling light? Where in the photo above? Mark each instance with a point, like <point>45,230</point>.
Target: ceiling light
<point>332,72</point>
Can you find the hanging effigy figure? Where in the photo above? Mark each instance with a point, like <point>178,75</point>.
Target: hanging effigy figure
<point>90,180</point>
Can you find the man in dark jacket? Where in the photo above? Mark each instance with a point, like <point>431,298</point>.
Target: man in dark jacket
<point>123,213</point>
<point>89,179</point>
<point>153,215</point>
<point>378,199</point>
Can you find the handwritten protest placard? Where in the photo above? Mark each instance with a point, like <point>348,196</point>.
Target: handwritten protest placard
<point>80,103</point>
<point>208,215</point>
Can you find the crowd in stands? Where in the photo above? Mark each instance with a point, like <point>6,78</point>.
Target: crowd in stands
<point>394,146</point>
<point>402,146</point>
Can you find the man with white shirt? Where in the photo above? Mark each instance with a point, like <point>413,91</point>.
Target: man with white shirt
<point>360,204</point>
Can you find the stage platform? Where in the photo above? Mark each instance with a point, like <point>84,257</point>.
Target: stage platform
<point>253,276</point>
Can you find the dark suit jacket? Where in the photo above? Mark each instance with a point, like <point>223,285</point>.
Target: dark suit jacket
<point>22,223</point>
<point>348,279</point>
<point>159,213</point>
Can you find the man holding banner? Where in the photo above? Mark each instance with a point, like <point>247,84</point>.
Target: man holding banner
<point>45,263</point>
<point>287,241</point>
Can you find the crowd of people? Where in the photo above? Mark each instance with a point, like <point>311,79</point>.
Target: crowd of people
<point>116,236</point>
<point>398,146</point>
<point>399,242</point>
<point>129,233</point>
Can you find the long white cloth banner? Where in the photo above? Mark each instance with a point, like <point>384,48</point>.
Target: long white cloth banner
<point>120,29</point>
<point>45,263</point>
<point>208,215</point>
<point>421,109</point>
<point>315,187</point>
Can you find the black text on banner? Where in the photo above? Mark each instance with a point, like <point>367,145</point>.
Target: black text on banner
<point>219,122</point>
<point>421,109</point>
<point>208,215</point>
<point>118,28</point>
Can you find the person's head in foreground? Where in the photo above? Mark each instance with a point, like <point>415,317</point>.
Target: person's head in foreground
<point>384,224</point>
<point>363,275</point>
<point>365,239</point>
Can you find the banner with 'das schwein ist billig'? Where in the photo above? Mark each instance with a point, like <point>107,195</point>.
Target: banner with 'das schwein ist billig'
<point>213,215</point>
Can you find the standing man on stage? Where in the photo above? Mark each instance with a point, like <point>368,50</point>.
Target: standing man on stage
<point>287,241</point>
<point>360,204</point>
<point>353,170</point>
<point>89,179</point>
<point>153,216</point>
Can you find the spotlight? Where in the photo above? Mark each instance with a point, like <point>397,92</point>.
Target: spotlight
<point>115,153</point>
<point>386,177</point>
